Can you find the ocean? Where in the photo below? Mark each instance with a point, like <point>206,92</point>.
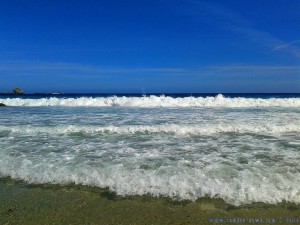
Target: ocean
<point>241,148</point>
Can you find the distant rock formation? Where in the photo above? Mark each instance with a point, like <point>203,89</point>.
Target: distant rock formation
<point>1,105</point>
<point>18,91</point>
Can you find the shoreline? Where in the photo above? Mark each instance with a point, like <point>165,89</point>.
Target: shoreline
<point>23,203</point>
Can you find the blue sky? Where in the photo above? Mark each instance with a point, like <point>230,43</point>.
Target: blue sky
<point>151,45</point>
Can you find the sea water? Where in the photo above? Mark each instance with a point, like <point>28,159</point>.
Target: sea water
<point>241,148</point>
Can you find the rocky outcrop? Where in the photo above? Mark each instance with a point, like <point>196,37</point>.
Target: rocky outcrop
<point>18,91</point>
<point>1,105</point>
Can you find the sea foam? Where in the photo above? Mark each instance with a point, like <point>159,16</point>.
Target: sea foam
<point>155,101</point>
<point>206,129</point>
<point>259,184</point>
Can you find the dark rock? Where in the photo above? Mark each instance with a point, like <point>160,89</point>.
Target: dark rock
<point>9,211</point>
<point>1,104</point>
<point>18,91</point>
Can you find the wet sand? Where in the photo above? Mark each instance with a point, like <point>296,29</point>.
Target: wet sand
<point>22,203</point>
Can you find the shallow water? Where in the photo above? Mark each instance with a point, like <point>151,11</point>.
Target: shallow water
<point>23,203</point>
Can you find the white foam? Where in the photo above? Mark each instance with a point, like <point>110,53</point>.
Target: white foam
<point>205,129</point>
<point>245,186</point>
<point>155,101</point>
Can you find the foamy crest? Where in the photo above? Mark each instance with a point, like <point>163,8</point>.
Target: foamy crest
<point>257,184</point>
<point>155,101</point>
<point>206,129</point>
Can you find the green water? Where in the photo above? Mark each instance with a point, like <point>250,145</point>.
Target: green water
<point>22,203</point>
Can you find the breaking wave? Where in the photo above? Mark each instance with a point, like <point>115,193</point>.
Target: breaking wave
<point>257,184</point>
<point>155,101</point>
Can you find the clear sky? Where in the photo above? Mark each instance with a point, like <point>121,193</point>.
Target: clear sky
<point>151,45</point>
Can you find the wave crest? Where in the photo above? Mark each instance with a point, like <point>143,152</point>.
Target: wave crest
<point>155,101</point>
<point>152,129</point>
